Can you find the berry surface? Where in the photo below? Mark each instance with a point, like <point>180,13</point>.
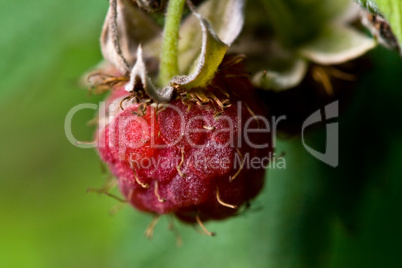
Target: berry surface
<point>188,159</point>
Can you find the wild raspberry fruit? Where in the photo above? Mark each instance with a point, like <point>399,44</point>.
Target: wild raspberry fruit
<point>193,160</point>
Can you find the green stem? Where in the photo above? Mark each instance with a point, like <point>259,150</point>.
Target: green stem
<point>169,66</point>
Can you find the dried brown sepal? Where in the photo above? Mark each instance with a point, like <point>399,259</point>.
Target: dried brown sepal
<point>151,5</point>
<point>141,82</point>
<point>380,29</point>
<point>125,27</point>
<point>204,98</point>
<point>101,82</point>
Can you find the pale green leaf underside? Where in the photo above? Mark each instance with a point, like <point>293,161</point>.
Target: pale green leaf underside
<point>212,53</point>
<point>226,19</point>
<point>284,79</point>
<point>337,44</point>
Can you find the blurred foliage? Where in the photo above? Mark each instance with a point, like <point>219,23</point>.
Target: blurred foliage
<point>295,21</point>
<point>309,215</point>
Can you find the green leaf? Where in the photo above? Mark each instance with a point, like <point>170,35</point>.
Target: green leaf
<point>297,21</point>
<point>278,80</point>
<point>212,52</point>
<point>370,6</point>
<point>226,19</point>
<point>391,10</point>
<point>337,44</point>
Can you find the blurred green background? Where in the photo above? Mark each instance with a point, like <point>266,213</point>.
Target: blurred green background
<point>309,215</point>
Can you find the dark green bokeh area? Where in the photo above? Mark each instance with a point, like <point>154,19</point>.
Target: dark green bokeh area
<point>308,215</point>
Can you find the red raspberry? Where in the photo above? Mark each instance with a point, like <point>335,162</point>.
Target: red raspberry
<point>185,159</point>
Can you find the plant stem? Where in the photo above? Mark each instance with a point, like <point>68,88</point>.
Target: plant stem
<point>169,66</point>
